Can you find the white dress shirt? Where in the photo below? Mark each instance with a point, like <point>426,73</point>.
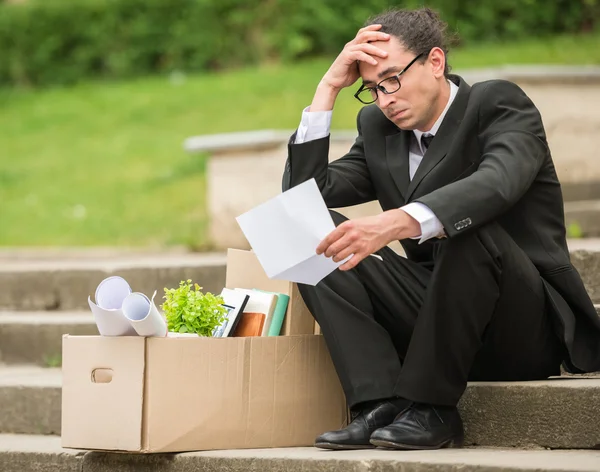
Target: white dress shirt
<point>316,125</point>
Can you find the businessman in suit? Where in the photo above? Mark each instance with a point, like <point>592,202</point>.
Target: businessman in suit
<point>467,184</point>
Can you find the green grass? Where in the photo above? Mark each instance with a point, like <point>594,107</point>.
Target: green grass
<point>582,49</point>
<point>102,163</point>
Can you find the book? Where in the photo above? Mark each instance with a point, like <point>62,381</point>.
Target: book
<point>235,302</point>
<point>261,302</point>
<point>251,324</point>
<point>279,313</point>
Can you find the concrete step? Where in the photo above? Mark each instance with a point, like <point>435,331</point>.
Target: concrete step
<point>586,215</point>
<point>64,284</point>
<point>580,191</point>
<point>43,453</point>
<point>585,256</point>
<point>24,453</point>
<point>30,400</point>
<point>36,337</point>
<point>554,413</point>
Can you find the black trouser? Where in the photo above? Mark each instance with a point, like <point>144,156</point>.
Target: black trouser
<point>395,328</point>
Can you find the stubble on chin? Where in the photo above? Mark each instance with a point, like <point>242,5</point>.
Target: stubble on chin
<point>404,124</point>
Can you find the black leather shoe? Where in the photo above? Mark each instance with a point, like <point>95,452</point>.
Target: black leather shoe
<point>422,427</point>
<point>364,421</point>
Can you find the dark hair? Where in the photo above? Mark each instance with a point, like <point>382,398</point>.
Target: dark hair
<point>418,30</point>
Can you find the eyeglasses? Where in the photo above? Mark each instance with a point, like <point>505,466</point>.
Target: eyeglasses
<point>390,85</point>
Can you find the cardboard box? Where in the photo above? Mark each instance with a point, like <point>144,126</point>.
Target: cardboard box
<point>140,394</point>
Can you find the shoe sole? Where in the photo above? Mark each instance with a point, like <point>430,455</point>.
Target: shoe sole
<point>342,447</point>
<point>449,444</point>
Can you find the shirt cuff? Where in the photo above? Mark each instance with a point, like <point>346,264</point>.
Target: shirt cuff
<point>313,125</point>
<point>431,227</point>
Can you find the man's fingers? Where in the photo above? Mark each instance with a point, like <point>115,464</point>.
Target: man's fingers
<point>365,53</point>
<point>352,263</point>
<point>369,28</point>
<point>343,245</point>
<point>343,253</point>
<point>372,36</point>
<point>363,57</point>
<point>346,245</point>
<point>337,240</point>
<point>329,240</point>
<point>370,49</point>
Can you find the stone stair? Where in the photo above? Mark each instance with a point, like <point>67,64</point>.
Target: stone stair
<point>24,453</point>
<point>30,400</point>
<point>499,414</point>
<point>36,337</point>
<point>42,299</point>
<point>585,214</point>
<point>30,284</point>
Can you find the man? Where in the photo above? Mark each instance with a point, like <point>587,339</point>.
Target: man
<point>467,184</point>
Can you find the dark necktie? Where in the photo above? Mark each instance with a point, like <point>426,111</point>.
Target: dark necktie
<point>426,141</point>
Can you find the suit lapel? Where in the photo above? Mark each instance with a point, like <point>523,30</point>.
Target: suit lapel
<point>396,154</point>
<point>443,138</point>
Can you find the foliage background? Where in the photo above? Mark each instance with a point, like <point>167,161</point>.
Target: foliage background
<point>49,42</point>
<point>97,97</point>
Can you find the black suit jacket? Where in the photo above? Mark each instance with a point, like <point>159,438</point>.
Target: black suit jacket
<point>489,161</point>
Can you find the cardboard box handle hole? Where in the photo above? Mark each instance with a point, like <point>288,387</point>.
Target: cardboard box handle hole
<point>102,376</point>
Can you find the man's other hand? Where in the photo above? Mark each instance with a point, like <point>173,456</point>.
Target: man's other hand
<point>365,236</point>
<point>344,70</point>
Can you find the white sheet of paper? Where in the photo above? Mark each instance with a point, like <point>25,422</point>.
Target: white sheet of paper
<point>107,311</point>
<point>144,316</point>
<point>284,233</point>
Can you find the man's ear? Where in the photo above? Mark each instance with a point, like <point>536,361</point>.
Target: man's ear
<point>438,62</point>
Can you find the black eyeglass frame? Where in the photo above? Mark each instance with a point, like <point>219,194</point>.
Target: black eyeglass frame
<point>379,88</point>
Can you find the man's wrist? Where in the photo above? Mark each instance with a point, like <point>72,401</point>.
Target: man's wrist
<point>401,225</point>
<point>324,98</point>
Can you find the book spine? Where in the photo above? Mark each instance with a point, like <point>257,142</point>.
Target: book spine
<point>278,315</point>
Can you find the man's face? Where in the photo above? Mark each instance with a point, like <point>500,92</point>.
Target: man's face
<point>415,105</point>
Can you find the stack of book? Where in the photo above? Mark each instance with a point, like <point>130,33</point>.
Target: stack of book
<point>252,312</point>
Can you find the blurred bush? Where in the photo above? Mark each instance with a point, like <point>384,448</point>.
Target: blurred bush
<point>44,42</point>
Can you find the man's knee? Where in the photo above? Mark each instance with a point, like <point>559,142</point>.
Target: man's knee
<point>489,238</point>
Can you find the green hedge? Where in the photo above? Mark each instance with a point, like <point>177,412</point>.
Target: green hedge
<point>45,42</point>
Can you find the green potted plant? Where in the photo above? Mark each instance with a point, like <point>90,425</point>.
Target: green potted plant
<point>189,311</point>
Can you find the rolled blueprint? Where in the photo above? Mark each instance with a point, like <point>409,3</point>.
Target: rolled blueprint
<point>107,310</point>
<point>143,315</point>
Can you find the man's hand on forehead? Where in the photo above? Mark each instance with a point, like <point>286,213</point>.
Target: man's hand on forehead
<point>344,71</point>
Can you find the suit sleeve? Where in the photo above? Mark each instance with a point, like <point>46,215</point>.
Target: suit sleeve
<point>513,148</point>
<point>342,183</point>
